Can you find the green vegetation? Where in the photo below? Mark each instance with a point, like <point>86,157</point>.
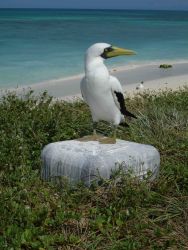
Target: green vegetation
<point>121,213</point>
<point>165,66</point>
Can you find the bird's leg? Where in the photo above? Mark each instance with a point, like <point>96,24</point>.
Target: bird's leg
<point>114,132</point>
<point>93,137</point>
<point>94,129</point>
<point>109,140</point>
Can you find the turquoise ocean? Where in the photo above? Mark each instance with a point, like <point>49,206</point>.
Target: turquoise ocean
<point>38,45</point>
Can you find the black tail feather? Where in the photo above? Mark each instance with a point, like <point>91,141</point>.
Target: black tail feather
<point>127,113</point>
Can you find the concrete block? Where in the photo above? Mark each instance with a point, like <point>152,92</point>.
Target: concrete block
<point>86,161</point>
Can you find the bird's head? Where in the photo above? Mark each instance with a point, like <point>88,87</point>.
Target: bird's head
<point>105,51</point>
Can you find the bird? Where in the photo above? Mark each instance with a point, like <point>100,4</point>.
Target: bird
<point>103,92</point>
<point>140,86</point>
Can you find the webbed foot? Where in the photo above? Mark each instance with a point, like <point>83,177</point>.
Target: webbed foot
<point>93,137</point>
<point>107,140</point>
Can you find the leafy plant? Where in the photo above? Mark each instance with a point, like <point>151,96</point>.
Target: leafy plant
<point>120,213</point>
<point>165,66</point>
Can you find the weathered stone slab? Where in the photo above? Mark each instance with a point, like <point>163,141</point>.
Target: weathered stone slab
<point>85,161</point>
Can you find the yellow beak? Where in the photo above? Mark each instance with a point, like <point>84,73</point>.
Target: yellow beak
<point>119,52</point>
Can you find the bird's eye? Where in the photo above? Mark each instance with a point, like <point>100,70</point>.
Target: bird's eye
<point>110,49</point>
<point>105,53</point>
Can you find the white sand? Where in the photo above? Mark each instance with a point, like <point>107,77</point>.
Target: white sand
<point>171,82</point>
<point>129,76</point>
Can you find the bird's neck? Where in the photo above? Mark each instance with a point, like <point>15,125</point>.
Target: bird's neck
<point>94,67</point>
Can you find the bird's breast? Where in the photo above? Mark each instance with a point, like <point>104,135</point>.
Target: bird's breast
<point>98,82</point>
<point>100,99</point>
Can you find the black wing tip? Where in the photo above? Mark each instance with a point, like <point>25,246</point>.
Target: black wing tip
<point>123,109</point>
<point>127,113</point>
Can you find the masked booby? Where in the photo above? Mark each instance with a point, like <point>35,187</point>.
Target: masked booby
<point>102,91</point>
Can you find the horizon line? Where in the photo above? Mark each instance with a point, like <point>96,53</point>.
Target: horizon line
<point>56,8</point>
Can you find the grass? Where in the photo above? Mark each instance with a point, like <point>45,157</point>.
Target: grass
<point>121,213</point>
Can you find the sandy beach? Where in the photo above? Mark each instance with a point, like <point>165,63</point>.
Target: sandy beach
<point>130,76</point>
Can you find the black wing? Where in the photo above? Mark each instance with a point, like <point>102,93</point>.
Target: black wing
<point>121,101</point>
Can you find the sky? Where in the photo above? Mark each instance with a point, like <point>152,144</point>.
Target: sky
<point>97,4</point>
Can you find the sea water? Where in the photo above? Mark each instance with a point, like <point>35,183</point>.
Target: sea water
<point>39,45</point>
